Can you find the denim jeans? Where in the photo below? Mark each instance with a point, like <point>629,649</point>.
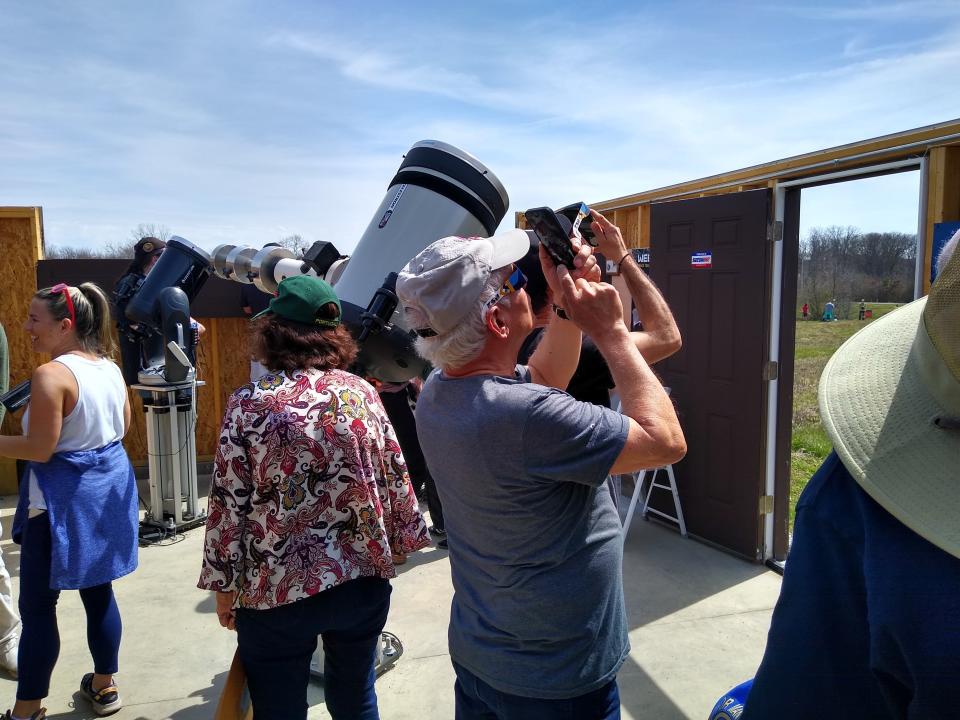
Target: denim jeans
<point>276,646</point>
<point>475,700</point>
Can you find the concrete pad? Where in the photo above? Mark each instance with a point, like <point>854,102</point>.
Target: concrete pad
<point>698,619</point>
<point>698,623</point>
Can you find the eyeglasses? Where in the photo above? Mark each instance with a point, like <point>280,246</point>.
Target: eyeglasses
<point>65,289</point>
<point>515,283</point>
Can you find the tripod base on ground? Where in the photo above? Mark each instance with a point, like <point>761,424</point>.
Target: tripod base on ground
<point>388,652</point>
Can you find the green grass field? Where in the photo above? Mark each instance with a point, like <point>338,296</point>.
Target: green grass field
<point>816,342</point>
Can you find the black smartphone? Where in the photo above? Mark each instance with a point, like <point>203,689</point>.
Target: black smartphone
<point>544,222</point>
<point>582,221</point>
<point>16,397</point>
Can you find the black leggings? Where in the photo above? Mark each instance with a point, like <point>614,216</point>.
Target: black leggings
<point>40,637</point>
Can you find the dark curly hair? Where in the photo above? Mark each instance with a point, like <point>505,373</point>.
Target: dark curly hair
<point>282,344</point>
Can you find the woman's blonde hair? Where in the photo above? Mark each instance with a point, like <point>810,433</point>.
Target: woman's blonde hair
<point>93,322</point>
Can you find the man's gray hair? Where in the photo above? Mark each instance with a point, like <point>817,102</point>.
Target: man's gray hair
<point>947,251</point>
<point>463,344</point>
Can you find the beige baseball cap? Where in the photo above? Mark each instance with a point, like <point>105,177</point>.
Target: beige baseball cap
<point>444,281</point>
<point>890,402</point>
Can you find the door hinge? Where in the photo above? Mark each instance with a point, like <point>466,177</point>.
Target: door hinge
<point>775,231</point>
<point>771,371</point>
<point>766,504</point>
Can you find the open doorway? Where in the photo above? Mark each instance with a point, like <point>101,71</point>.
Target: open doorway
<point>733,380</point>
<point>856,262</point>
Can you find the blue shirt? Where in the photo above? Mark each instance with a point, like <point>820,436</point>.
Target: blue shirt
<point>868,620</point>
<point>535,541</point>
<point>91,498</point>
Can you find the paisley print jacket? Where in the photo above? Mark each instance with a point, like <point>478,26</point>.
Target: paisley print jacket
<point>309,490</point>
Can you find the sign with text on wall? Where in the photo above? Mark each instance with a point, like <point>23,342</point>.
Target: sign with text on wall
<point>701,260</point>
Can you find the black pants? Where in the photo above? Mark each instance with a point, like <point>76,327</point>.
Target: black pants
<point>130,358</point>
<point>405,426</point>
<point>276,646</point>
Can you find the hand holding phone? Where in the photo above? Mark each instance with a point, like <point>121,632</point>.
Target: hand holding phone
<point>609,238</point>
<point>552,234</point>
<point>581,219</point>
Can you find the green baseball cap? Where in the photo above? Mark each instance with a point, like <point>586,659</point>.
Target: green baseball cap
<point>300,298</point>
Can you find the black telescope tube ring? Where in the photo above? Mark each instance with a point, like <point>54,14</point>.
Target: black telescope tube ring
<point>458,169</point>
<point>452,192</point>
<point>462,172</point>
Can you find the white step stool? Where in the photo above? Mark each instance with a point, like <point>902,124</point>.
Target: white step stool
<point>638,479</point>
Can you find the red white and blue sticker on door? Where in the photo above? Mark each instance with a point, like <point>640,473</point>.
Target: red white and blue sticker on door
<point>701,260</point>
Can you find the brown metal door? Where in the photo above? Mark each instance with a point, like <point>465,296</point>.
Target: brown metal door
<point>710,257</point>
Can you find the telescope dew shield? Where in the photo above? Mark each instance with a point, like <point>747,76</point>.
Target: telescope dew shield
<point>182,265</point>
<point>233,262</point>
<point>268,266</point>
<point>273,264</point>
<point>439,190</point>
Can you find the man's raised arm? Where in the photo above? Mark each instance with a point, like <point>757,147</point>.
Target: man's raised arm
<point>660,337</point>
<point>655,437</point>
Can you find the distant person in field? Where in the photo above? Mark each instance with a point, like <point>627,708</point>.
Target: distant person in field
<point>863,310</point>
<point>805,310</point>
<point>828,310</point>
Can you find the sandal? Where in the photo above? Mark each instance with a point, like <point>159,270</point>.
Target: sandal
<point>105,701</point>
<point>40,714</point>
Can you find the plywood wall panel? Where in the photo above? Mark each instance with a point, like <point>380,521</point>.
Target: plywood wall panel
<point>234,358</point>
<point>21,245</point>
<point>631,226</point>
<point>19,253</point>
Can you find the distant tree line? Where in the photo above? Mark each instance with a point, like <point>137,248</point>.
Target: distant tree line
<point>124,248</point>
<point>847,266</point>
<point>111,249</point>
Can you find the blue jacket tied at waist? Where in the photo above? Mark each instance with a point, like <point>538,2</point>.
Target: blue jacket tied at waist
<point>91,498</point>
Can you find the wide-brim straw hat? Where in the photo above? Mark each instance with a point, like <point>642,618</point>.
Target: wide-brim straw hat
<point>890,402</point>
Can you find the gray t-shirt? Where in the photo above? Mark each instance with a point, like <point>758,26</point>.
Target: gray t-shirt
<point>535,543</point>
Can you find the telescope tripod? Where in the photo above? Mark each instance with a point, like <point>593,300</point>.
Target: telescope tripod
<point>172,460</point>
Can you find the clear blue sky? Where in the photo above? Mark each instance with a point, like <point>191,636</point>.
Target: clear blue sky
<point>248,121</point>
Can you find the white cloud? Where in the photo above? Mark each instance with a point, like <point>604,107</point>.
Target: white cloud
<point>913,11</point>
<point>248,127</point>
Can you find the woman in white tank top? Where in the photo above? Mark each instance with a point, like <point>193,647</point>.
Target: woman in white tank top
<point>77,517</point>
